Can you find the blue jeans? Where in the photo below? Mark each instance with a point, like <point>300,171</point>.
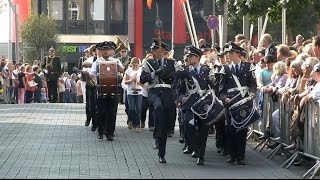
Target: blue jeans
<point>135,103</point>
<point>67,96</point>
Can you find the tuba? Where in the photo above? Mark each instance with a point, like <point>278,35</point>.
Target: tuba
<point>120,45</point>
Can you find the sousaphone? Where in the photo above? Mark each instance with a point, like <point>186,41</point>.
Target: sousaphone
<point>120,45</point>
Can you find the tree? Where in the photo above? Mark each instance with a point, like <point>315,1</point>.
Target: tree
<point>38,32</point>
<point>302,15</point>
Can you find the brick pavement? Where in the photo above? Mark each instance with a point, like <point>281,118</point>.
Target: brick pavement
<point>51,141</point>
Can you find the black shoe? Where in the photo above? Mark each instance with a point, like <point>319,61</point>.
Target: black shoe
<point>87,122</point>
<point>109,138</point>
<point>181,140</point>
<point>241,162</point>
<point>156,145</point>
<point>93,128</point>
<point>265,135</point>
<point>194,154</point>
<point>219,150</point>
<point>162,160</point>
<point>231,160</point>
<point>200,161</point>
<point>187,151</point>
<point>100,136</point>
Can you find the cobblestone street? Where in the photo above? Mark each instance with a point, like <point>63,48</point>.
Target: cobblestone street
<point>51,141</point>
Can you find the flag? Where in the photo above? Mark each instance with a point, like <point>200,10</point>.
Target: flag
<point>149,4</point>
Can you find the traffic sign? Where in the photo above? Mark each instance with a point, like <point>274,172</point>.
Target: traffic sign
<point>212,22</point>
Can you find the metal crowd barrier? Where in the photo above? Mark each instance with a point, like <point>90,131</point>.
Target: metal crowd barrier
<point>285,110</point>
<point>266,121</point>
<point>311,141</point>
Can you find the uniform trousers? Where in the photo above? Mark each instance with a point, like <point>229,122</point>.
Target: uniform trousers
<point>144,108</point>
<point>161,99</point>
<point>106,113</point>
<point>52,91</point>
<point>91,93</point>
<point>221,133</point>
<point>236,140</point>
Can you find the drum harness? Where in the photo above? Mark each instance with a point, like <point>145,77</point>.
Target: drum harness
<point>243,91</point>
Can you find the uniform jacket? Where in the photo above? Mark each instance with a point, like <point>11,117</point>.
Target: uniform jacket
<point>246,78</point>
<point>53,65</point>
<point>166,77</point>
<point>204,82</point>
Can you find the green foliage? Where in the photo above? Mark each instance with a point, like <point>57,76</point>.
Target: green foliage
<point>302,15</point>
<point>37,32</point>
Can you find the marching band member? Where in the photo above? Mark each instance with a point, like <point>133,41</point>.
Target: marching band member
<point>90,90</point>
<point>160,94</point>
<point>107,106</point>
<point>197,130</point>
<point>52,69</point>
<point>238,83</point>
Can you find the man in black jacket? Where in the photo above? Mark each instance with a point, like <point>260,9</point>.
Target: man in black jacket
<point>160,95</point>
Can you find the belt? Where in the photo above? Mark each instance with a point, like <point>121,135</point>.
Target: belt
<point>162,85</point>
<point>243,88</point>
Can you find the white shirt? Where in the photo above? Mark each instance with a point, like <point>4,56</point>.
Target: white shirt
<point>315,93</point>
<point>131,73</point>
<point>93,70</point>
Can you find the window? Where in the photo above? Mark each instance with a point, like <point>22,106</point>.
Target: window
<point>55,9</point>
<point>117,10</point>
<point>76,9</point>
<point>96,8</point>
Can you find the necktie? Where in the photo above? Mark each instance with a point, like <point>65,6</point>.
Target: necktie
<point>237,69</point>
<point>159,63</point>
<point>195,71</point>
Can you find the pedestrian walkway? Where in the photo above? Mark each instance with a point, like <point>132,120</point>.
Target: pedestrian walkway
<point>51,141</point>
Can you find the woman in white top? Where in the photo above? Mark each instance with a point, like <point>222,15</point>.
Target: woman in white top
<point>134,94</point>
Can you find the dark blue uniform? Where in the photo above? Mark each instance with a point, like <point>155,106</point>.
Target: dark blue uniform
<point>160,97</point>
<point>236,138</point>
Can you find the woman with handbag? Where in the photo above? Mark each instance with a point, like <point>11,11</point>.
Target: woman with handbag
<point>30,84</point>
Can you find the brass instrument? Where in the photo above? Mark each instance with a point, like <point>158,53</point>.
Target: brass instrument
<point>90,81</point>
<point>120,45</point>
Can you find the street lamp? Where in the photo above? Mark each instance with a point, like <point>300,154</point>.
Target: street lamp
<point>284,20</point>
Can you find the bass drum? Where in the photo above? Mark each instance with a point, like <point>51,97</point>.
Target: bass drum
<point>243,113</point>
<point>109,79</point>
<point>209,108</point>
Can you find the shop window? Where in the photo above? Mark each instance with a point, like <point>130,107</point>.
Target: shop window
<point>97,10</point>
<point>55,9</point>
<point>76,9</point>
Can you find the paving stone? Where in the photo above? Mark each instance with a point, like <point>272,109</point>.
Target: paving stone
<point>51,141</point>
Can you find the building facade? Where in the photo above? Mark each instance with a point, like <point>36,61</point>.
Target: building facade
<point>85,22</point>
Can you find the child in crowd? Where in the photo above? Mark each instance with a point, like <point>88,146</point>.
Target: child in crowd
<point>43,96</point>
